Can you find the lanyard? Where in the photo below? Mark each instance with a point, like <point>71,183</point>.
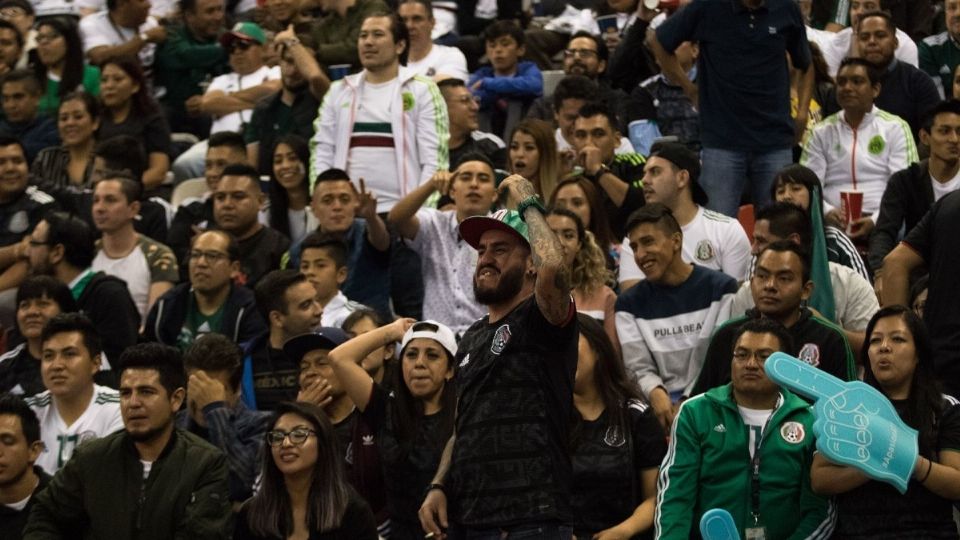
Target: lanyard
<point>755,467</point>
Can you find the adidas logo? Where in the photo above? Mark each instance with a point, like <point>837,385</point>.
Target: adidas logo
<point>367,440</point>
<point>720,428</point>
<point>465,361</point>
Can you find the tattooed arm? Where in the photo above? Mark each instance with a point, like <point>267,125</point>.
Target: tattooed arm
<point>552,288</point>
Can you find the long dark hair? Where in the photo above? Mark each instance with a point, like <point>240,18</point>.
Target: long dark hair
<point>599,225</point>
<point>409,411</point>
<point>270,513</point>
<point>279,200</point>
<point>615,387</point>
<point>72,76</point>
<point>141,102</point>
<point>924,406</point>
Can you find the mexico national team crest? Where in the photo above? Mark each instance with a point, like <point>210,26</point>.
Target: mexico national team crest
<point>705,251</point>
<point>810,354</point>
<point>500,339</point>
<point>614,437</point>
<point>793,432</point>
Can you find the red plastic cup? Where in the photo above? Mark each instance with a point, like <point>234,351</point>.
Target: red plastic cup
<point>851,206</point>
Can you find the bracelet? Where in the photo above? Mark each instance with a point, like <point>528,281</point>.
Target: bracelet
<point>434,486</point>
<point>597,175</point>
<point>532,201</point>
<point>929,468</point>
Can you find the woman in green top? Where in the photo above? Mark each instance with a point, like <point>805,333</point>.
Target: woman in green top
<point>59,61</point>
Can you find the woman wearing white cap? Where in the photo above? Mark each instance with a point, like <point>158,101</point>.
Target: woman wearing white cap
<point>415,421</point>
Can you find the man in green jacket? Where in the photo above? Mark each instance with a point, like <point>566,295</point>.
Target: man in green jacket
<point>147,481</point>
<point>745,447</point>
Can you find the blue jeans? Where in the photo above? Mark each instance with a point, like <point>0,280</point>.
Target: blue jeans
<point>528,531</point>
<point>726,172</point>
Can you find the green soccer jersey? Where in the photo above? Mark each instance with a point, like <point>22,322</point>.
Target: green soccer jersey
<point>939,56</point>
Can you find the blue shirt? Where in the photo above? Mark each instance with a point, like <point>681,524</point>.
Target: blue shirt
<point>742,70</point>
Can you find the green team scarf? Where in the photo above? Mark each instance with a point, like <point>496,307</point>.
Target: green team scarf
<point>822,297</point>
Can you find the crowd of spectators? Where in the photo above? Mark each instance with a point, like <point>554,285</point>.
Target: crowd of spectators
<point>360,269</point>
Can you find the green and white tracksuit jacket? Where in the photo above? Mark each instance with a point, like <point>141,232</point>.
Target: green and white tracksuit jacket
<point>708,465</point>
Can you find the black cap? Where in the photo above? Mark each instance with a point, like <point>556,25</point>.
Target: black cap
<point>686,159</point>
<point>325,338</point>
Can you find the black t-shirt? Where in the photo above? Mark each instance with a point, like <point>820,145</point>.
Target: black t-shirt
<point>935,238</point>
<point>629,169</point>
<point>408,468</point>
<point>607,467</point>
<point>276,378</point>
<point>261,253</point>
<point>357,524</point>
<point>876,510</point>
<point>361,456</point>
<point>19,216</point>
<point>20,372</point>
<point>482,143</point>
<point>511,460</point>
<point>151,129</point>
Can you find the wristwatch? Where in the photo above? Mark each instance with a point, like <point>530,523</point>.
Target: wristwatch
<point>532,201</point>
<point>595,177</point>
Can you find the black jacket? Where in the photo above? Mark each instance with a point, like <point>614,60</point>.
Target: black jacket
<point>101,493</point>
<point>908,196</point>
<point>106,300</point>
<point>241,320</point>
<point>815,341</point>
<point>13,521</point>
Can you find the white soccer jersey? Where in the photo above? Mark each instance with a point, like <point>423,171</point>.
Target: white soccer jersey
<point>102,417</point>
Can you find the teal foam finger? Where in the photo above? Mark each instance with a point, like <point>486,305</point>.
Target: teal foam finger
<point>800,377</point>
<point>717,524</point>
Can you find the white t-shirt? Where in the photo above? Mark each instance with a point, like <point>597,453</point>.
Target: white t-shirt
<point>148,263</point>
<point>754,419</point>
<point>941,189</point>
<point>626,147</point>
<point>98,30</point>
<point>373,155</point>
<point>337,310</point>
<point>442,60</point>
<point>101,418</point>
<point>232,82</point>
<point>711,240</point>
<point>836,47</point>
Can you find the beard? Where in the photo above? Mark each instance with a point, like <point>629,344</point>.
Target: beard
<point>150,434</point>
<point>509,285</point>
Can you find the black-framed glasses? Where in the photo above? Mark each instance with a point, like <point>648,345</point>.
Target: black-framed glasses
<point>239,45</point>
<point>46,37</point>
<point>210,256</point>
<point>580,53</point>
<point>297,436</point>
<point>743,355</point>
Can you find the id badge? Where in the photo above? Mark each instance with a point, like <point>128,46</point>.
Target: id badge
<point>755,533</point>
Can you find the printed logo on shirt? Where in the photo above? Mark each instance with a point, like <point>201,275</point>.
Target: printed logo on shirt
<point>772,30</point>
<point>614,437</point>
<point>810,354</point>
<point>720,428</point>
<point>18,223</point>
<point>500,339</point>
<point>793,432</point>
<point>876,145</point>
<point>408,101</point>
<point>367,440</point>
<point>431,72</point>
<point>465,361</point>
<point>705,251</point>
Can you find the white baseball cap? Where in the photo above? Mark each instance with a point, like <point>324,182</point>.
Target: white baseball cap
<point>431,330</point>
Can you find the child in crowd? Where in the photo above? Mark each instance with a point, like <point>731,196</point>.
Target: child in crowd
<point>323,259</point>
<point>507,78</point>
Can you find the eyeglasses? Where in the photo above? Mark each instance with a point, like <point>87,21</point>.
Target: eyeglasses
<point>466,99</point>
<point>743,355</point>
<point>580,53</point>
<point>297,436</point>
<point>210,256</point>
<point>239,45</point>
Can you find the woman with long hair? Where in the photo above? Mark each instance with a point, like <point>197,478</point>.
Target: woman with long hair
<point>617,446</point>
<point>533,155</point>
<point>59,61</point>
<point>130,110</point>
<point>898,361</point>
<point>415,420</point>
<point>304,493</point>
<point>70,165</point>
<point>589,275</point>
<point>290,189</point>
<point>581,197</point>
